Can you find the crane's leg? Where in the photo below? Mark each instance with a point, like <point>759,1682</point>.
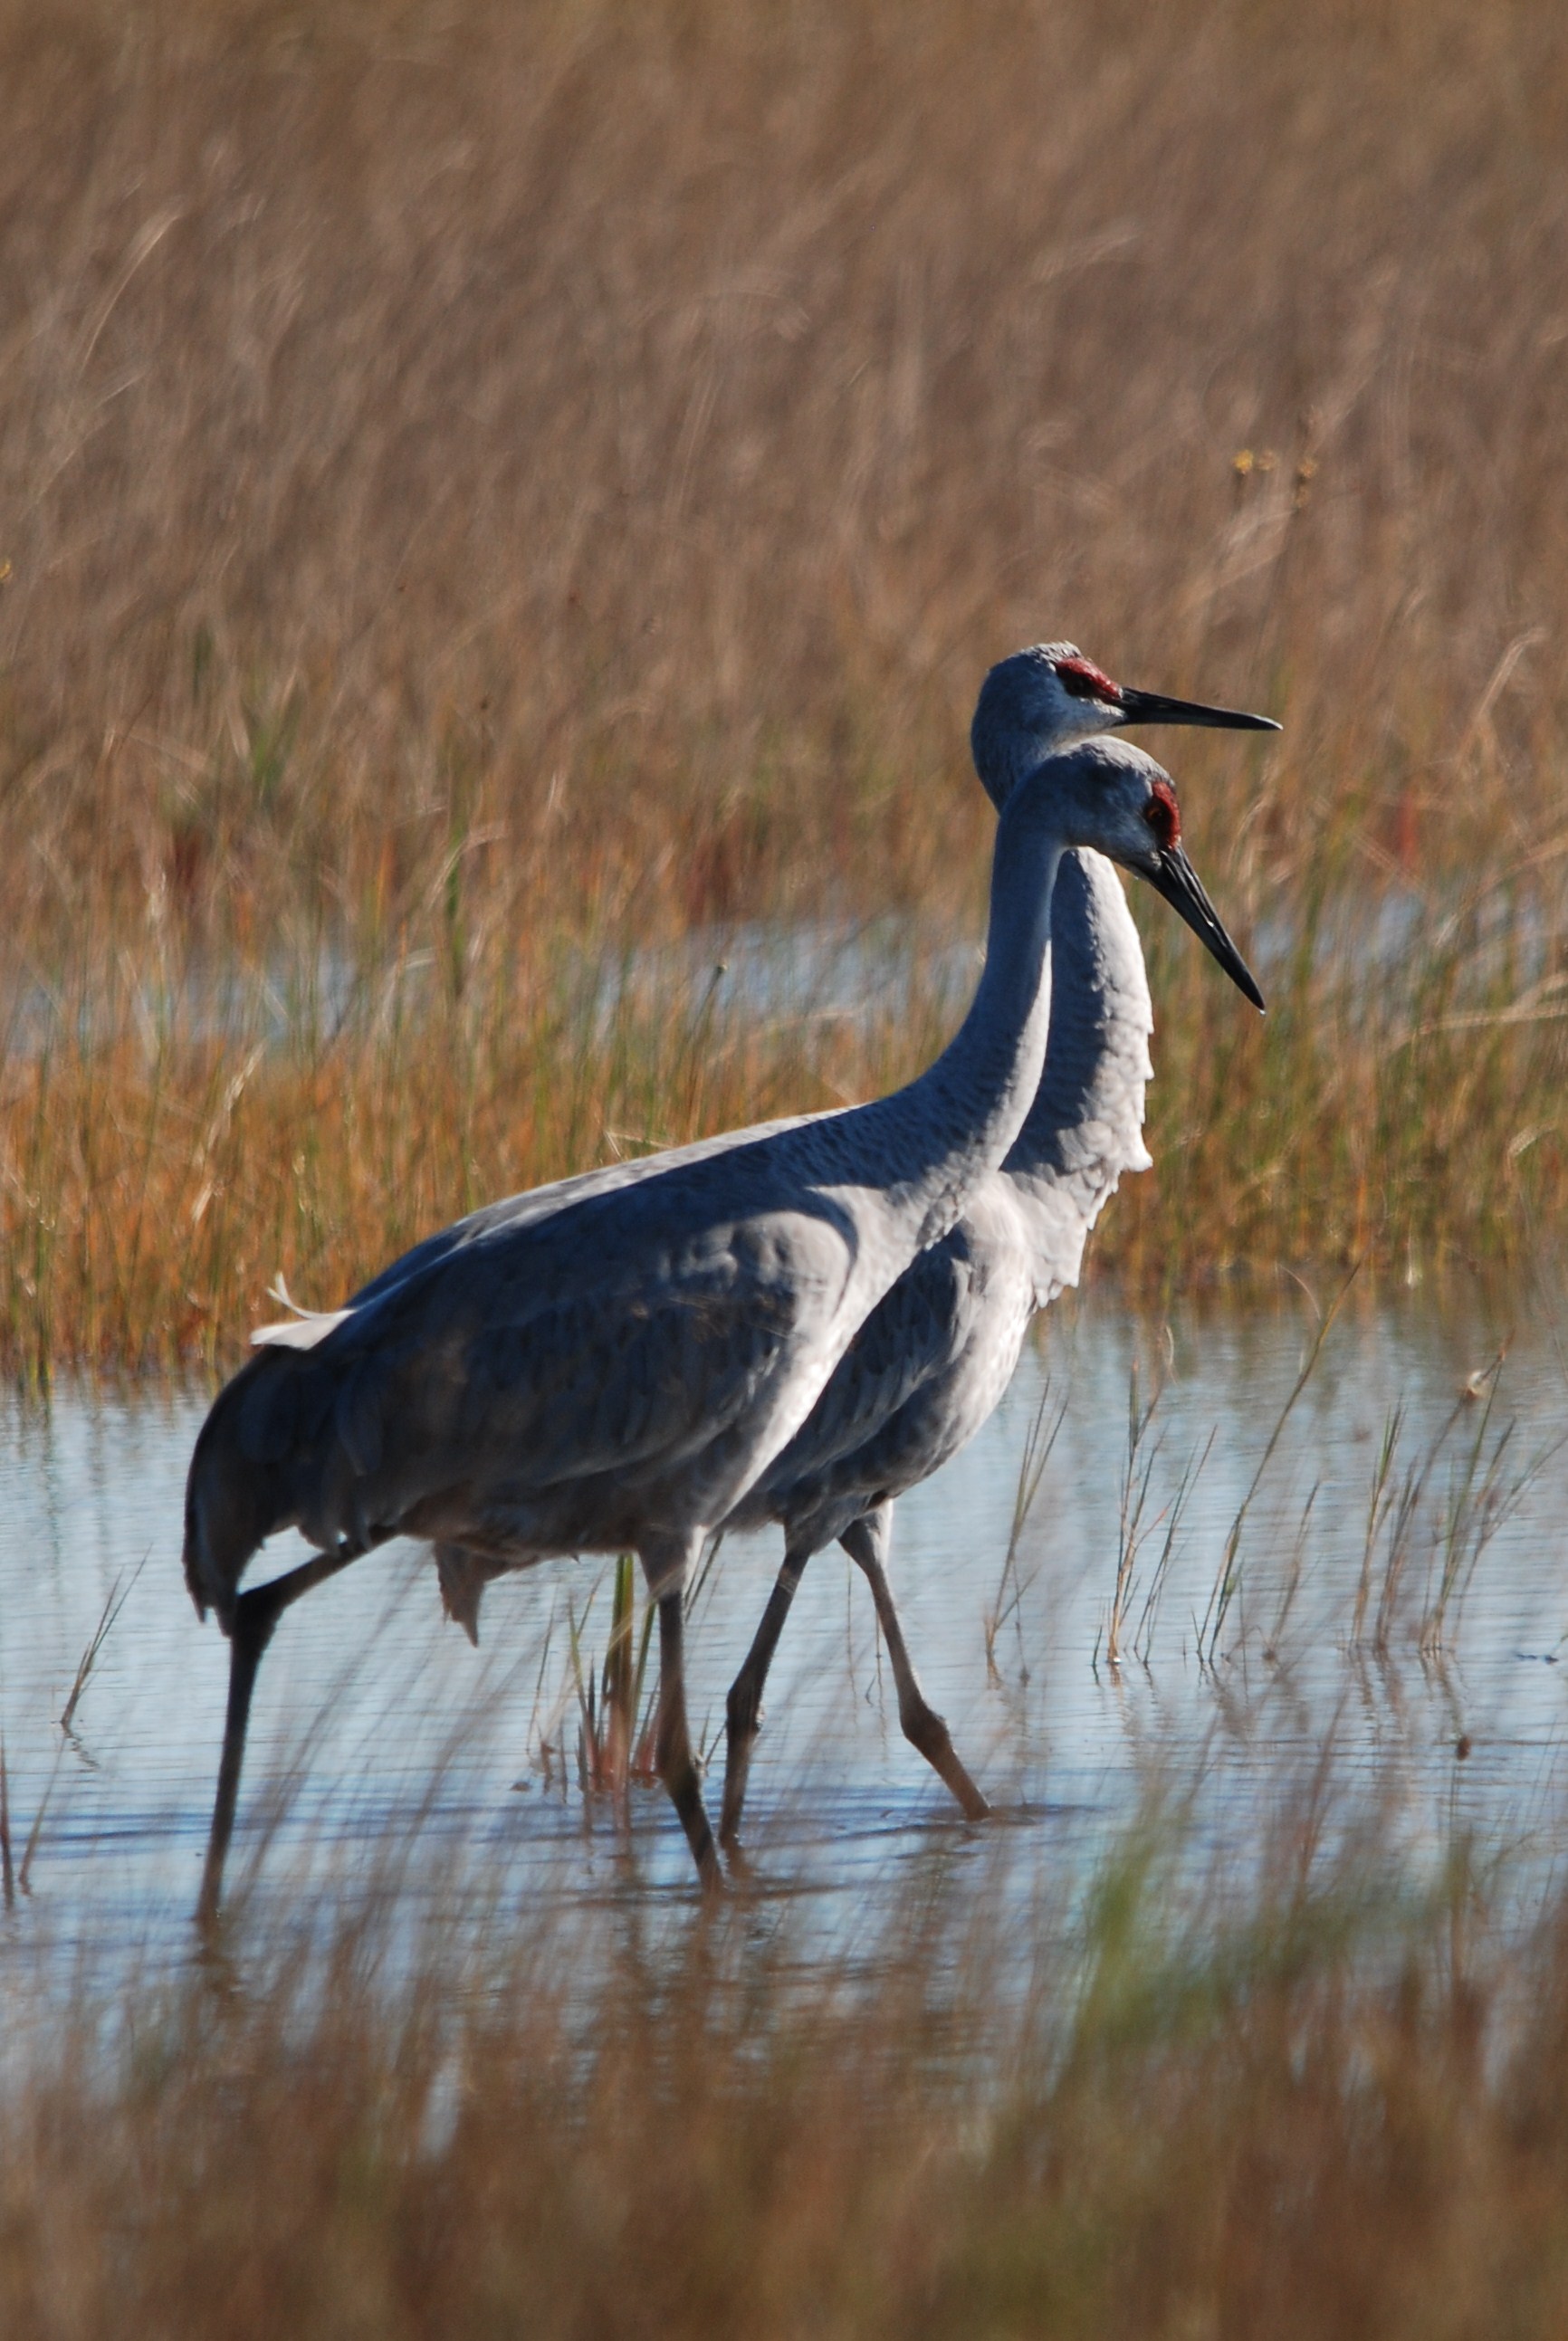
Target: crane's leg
<point>867,1541</point>
<point>256,1614</point>
<point>743,1707</point>
<point>667,1572</point>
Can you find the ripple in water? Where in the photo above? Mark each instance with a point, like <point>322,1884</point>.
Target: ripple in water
<point>379,1734</point>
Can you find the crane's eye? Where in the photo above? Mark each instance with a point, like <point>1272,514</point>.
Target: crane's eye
<point>1162,815</point>
<point>1082,680</point>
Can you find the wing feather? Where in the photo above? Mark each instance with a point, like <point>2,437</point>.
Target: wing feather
<point>504,1376</point>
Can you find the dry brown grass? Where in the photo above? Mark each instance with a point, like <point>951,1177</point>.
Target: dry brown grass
<point>1314,2111</point>
<point>480,480</point>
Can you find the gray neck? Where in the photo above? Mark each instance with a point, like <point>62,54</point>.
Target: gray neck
<point>1085,1127</point>
<point>952,1127</point>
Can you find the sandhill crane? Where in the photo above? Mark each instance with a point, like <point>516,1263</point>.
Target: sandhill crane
<point>613,1368</point>
<point>933,1359</point>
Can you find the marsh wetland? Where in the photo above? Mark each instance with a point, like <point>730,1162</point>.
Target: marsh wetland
<point>503,516</point>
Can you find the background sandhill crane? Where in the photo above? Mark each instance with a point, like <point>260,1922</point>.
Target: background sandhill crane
<point>616,1374</point>
<point>933,1359</point>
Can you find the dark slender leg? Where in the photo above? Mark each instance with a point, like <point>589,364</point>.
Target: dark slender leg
<point>672,1743</point>
<point>867,1541</point>
<point>255,1620</point>
<point>743,1707</point>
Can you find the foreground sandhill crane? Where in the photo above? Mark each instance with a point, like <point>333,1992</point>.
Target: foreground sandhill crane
<point>935,1359</point>
<point>604,1370</point>
<point>932,1362</point>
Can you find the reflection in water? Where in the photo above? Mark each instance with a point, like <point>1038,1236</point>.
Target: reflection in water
<point>1395,1586</point>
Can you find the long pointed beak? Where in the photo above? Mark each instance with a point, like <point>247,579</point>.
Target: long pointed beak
<point>1151,707</point>
<point>1176,877</point>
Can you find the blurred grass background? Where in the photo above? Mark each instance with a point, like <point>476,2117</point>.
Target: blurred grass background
<point>1319,2104</point>
<point>484,489</point>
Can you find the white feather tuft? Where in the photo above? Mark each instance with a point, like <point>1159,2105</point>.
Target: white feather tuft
<point>302,1329</point>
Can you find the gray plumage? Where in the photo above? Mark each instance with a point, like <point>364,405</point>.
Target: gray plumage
<point>932,1360</point>
<point>613,1367</point>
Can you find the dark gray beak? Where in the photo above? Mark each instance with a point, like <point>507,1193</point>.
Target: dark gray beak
<point>1150,707</point>
<point>1176,877</point>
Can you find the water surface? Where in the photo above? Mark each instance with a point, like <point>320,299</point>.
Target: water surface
<point>373,1710</point>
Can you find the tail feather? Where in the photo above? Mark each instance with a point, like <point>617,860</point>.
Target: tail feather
<point>463,1577</point>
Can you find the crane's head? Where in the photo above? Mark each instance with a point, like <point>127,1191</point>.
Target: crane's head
<point>1043,699</point>
<point>1110,795</point>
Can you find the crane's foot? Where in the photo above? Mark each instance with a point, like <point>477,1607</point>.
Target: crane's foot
<point>743,1871</point>
<point>924,1730</point>
<point>743,1721</point>
<point>705,1853</point>
<point>685,1794</point>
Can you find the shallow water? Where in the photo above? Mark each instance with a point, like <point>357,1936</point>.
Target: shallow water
<point>794,974</point>
<point>790,972</point>
<point>374,1712</point>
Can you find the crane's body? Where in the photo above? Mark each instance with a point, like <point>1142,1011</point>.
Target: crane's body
<point>932,1360</point>
<point>616,1369</point>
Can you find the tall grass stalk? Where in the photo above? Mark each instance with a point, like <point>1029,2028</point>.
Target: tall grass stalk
<point>1138,1469</point>
<point>1228,1576</point>
<point>1274,1639</point>
<point>1486,1485</point>
<point>1040,1439</point>
<point>615,1735</point>
<point>7,1870</point>
<point>1143,1637</point>
<point>114,1602</point>
<point>1381,1500</point>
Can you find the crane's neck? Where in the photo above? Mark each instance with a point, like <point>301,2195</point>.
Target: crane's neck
<point>1085,1127</point>
<point>951,1128</point>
